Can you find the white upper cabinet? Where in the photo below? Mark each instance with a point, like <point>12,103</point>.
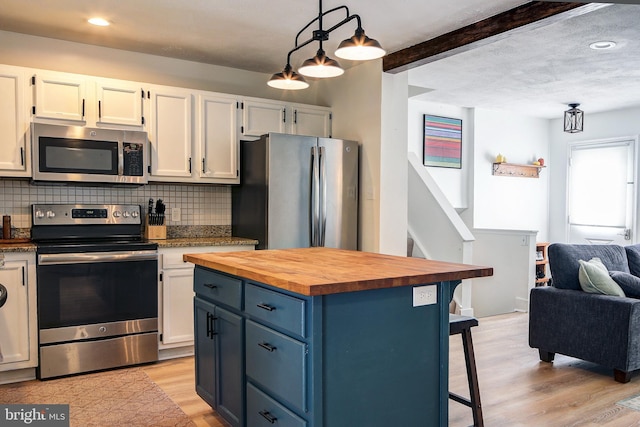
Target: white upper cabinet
<point>119,103</point>
<point>170,133</point>
<point>260,117</point>
<point>15,157</point>
<point>59,96</point>
<point>314,121</point>
<point>263,116</point>
<point>193,147</point>
<point>86,101</point>
<point>218,141</point>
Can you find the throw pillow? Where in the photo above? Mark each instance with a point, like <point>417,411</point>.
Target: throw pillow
<point>629,283</point>
<point>594,278</point>
<point>633,256</point>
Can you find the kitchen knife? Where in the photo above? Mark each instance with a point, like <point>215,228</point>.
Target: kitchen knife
<point>150,212</point>
<point>160,207</point>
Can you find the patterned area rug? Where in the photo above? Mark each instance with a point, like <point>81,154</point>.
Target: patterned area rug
<point>632,402</point>
<point>125,397</point>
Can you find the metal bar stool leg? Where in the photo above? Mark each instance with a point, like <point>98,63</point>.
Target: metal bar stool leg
<point>472,376</point>
<point>462,325</point>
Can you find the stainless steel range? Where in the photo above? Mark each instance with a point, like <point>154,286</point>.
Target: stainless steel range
<point>97,288</point>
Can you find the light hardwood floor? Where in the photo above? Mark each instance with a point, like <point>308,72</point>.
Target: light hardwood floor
<point>516,388</point>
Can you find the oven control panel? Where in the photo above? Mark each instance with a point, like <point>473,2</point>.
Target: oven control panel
<point>85,214</point>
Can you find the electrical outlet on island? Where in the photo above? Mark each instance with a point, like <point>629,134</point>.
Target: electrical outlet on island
<point>425,295</point>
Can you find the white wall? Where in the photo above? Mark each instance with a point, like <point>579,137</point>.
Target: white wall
<point>393,165</point>
<point>512,255</point>
<point>452,182</point>
<point>597,126</point>
<point>509,203</point>
<point>356,99</point>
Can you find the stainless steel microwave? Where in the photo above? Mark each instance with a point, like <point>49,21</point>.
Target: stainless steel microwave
<point>77,154</point>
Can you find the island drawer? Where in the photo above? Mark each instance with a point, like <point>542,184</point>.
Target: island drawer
<point>275,308</point>
<point>263,411</point>
<point>218,287</point>
<point>278,363</point>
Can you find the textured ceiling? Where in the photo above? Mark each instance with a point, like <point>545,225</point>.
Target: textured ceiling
<point>536,72</point>
<point>542,70</point>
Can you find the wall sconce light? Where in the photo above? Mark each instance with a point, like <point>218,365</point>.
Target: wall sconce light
<point>573,119</point>
<point>359,47</point>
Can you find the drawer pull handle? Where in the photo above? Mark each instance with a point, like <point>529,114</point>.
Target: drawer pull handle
<point>210,285</point>
<point>266,307</point>
<point>267,416</point>
<point>267,346</point>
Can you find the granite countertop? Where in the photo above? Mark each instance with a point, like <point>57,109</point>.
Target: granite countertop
<point>204,241</point>
<point>324,271</point>
<point>18,247</point>
<point>168,243</point>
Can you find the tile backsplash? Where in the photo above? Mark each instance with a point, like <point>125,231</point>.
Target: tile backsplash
<point>199,204</point>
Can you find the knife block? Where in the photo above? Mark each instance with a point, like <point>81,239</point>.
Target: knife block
<point>154,232</point>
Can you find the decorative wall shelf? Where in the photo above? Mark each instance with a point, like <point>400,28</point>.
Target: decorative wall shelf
<point>515,170</point>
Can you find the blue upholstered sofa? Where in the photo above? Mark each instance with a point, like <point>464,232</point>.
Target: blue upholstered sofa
<point>603,329</point>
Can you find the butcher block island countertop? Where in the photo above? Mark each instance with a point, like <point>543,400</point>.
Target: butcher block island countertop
<point>324,271</point>
<point>320,337</point>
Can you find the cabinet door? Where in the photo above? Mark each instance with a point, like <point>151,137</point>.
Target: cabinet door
<point>14,315</point>
<point>220,360</point>
<point>170,133</point>
<point>177,305</point>
<point>59,96</point>
<point>119,103</point>
<point>14,124</point>
<point>230,328</point>
<point>311,121</point>
<point>205,350</point>
<point>218,127</point>
<point>259,118</point>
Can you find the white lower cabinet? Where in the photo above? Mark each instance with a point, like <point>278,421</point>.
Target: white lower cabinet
<point>18,329</point>
<point>175,298</point>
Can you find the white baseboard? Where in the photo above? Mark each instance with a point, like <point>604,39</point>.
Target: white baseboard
<point>17,376</point>
<point>466,312</point>
<point>522,305</point>
<point>174,353</point>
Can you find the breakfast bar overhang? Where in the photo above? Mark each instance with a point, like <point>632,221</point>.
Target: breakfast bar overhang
<point>363,351</point>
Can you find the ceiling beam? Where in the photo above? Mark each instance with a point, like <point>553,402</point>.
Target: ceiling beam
<point>531,15</point>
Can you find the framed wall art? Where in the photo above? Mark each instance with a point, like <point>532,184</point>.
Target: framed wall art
<point>442,143</point>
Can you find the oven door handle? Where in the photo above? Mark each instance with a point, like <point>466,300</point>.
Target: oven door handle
<point>95,257</point>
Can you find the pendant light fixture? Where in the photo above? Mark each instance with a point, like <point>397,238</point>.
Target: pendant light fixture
<point>573,119</point>
<point>359,47</point>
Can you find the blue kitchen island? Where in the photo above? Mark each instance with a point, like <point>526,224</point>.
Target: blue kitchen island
<point>324,337</point>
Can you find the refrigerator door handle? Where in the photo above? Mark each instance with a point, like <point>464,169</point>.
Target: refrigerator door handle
<point>323,196</point>
<point>314,210</point>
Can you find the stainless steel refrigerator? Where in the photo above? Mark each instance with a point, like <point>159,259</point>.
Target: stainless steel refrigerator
<point>297,191</point>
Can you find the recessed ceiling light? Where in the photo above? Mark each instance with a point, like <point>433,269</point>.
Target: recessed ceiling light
<point>602,45</point>
<point>101,22</point>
